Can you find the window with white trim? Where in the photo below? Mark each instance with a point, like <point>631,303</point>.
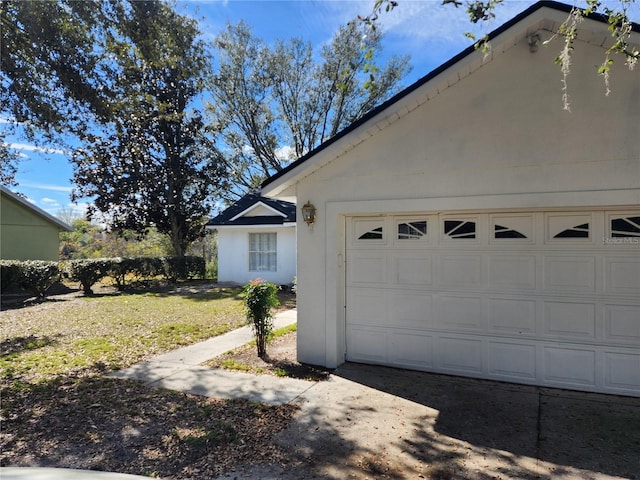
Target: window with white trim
<point>569,227</point>
<point>367,231</point>
<point>625,226</point>
<point>414,230</point>
<point>262,252</point>
<point>457,229</point>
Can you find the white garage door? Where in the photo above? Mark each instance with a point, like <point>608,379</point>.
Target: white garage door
<point>546,298</point>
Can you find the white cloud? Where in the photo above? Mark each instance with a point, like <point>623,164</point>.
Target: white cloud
<point>44,186</point>
<point>285,153</point>
<point>418,21</point>
<point>34,148</point>
<point>11,121</point>
<point>422,21</point>
<point>67,212</point>
<point>78,209</point>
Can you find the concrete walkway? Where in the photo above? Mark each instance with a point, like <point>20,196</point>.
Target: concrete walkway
<point>180,370</point>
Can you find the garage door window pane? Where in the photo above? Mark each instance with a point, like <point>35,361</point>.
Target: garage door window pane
<point>625,227</point>
<point>569,227</point>
<point>262,252</point>
<point>506,232</point>
<point>460,229</point>
<point>579,231</point>
<point>375,234</point>
<point>412,230</point>
<point>511,228</point>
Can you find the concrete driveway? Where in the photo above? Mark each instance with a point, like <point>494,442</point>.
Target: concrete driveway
<point>377,422</point>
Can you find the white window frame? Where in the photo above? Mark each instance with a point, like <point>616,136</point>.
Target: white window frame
<point>264,257</point>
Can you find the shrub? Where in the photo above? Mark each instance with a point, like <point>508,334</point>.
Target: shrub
<point>10,275</point>
<point>32,275</point>
<point>120,269</point>
<point>196,267</point>
<point>176,268</point>
<point>40,275</point>
<point>89,271</point>
<point>211,269</point>
<point>260,297</point>
<point>146,268</point>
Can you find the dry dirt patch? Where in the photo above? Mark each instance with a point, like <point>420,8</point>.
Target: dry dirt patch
<point>124,426</point>
<point>281,360</point>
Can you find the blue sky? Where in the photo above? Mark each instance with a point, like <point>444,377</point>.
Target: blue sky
<point>429,32</point>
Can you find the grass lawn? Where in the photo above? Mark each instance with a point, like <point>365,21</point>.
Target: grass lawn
<point>108,332</point>
<point>59,410</point>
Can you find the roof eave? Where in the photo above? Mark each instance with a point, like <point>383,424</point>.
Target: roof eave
<point>256,205</point>
<point>248,227</point>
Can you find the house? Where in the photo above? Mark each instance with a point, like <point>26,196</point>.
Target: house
<point>471,226</point>
<point>28,232</point>
<point>256,239</point>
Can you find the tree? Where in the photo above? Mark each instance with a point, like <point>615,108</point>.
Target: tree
<point>274,104</point>
<point>50,53</point>
<point>8,165</point>
<point>155,162</point>
<point>84,241</point>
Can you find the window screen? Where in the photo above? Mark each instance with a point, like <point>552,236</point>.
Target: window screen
<point>262,252</point>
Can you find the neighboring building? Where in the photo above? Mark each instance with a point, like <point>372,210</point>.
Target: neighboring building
<point>28,232</point>
<point>471,226</point>
<point>256,239</point>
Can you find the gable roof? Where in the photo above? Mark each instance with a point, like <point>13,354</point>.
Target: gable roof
<point>543,15</point>
<point>37,210</point>
<point>240,213</point>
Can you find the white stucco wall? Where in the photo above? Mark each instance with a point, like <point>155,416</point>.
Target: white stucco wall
<point>497,139</point>
<point>233,255</point>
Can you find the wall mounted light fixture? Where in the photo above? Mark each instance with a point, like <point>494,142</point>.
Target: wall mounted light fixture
<point>309,213</point>
<point>534,42</point>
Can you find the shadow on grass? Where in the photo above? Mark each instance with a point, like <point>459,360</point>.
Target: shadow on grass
<point>124,426</point>
<point>12,346</point>
<point>195,291</point>
<point>25,301</point>
<point>13,300</point>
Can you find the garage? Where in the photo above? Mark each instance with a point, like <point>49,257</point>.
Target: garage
<point>537,297</point>
<point>473,226</point>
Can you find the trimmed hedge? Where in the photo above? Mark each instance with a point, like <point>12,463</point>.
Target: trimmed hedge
<point>10,275</point>
<point>37,276</point>
<point>183,268</point>
<point>89,271</point>
<point>34,276</point>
